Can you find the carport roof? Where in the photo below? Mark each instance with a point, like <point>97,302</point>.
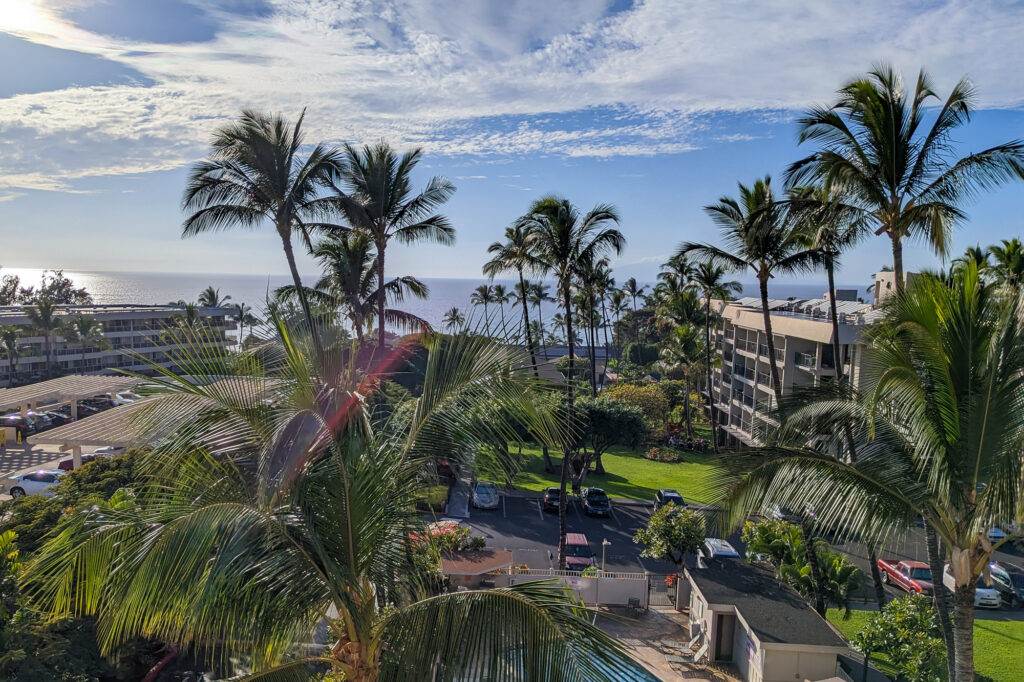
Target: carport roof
<point>64,389</point>
<point>475,562</point>
<point>116,426</point>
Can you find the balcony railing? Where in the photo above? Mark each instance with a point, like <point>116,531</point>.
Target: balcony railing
<point>806,360</point>
<point>764,378</point>
<point>762,349</point>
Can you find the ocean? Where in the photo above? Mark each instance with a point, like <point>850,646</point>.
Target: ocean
<point>162,288</point>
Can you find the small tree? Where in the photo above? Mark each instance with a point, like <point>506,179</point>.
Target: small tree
<point>604,423</point>
<point>908,633</point>
<point>648,398</point>
<point>671,532</point>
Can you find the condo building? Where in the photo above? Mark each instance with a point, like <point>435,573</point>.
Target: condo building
<point>130,331</point>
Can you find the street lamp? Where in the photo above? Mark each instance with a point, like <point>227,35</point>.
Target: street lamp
<point>604,545</point>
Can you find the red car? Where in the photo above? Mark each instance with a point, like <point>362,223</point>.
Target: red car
<point>912,576</point>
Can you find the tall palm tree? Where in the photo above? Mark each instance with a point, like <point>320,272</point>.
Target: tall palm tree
<point>1007,266</point>
<point>617,306</point>
<point>244,316</point>
<point>378,198</point>
<point>563,240</point>
<point>454,320</point>
<point>592,275</point>
<point>85,331</point>
<point>513,255</point>
<point>634,291</point>
<point>483,295</point>
<point>681,352</point>
<point>710,280</point>
<point>276,505</point>
<point>501,296</point>
<point>9,342</point>
<point>255,175</point>
<point>874,149</point>
<point>558,321</point>
<point>537,294</point>
<point>211,298</point>
<point>939,425</point>
<point>759,235</point>
<point>46,322</point>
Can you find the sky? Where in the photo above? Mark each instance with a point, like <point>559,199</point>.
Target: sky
<point>658,107</point>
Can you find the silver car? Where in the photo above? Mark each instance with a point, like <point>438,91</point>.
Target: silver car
<point>485,495</point>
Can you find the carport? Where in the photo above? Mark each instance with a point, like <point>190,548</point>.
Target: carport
<point>69,389</point>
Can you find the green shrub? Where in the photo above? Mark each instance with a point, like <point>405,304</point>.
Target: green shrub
<point>640,353</point>
<point>649,399</point>
<point>662,455</point>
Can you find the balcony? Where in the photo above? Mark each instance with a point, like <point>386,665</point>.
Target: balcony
<point>780,355</point>
<point>764,378</point>
<point>806,360</point>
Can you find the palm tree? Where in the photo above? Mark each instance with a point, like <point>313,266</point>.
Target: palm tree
<point>874,149</point>
<point>758,235</point>
<point>350,282</point>
<point>501,296</point>
<point>513,255</point>
<point>45,321</point>
<point>211,298</point>
<point>938,425</point>
<point>633,290</point>
<point>255,175</point>
<point>85,331</point>
<point>378,199</point>
<point>681,352</point>
<point>245,317</point>
<point>483,295</point>
<point>563,240</point>
<point>592,277</point>
<point>710,280</point>
<point>276,505</point>
<point>1007,266</point>
<point>558,322</point>
<point>537,295</point>
<point>9,342</point>
<point>618,308</point>
<point>453,320</point>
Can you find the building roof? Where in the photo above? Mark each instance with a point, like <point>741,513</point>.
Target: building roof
<point>109,310</point>
<point>65,389</point>
<point>475,562</point>
<point>774,610</point>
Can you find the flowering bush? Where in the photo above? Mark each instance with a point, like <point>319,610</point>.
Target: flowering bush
<point>671,579</point>
<point>662,455</point>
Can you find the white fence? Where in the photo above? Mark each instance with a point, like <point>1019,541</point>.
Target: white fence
<point>605,588</point>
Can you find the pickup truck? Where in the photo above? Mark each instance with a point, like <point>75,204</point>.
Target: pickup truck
<point>912,576</point>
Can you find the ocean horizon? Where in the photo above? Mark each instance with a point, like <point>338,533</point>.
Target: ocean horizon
<point>156,288</point>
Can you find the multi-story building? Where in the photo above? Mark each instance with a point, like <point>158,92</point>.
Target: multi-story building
<point>129,330</point>
<point>741,386</point>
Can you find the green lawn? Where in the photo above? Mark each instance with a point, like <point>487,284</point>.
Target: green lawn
<point>998,644</point>
<point>627,474</point>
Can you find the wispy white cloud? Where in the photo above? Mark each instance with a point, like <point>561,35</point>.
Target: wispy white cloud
<point>496,80</point>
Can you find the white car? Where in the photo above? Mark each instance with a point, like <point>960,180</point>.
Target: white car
<point>717,547</point>
<point>124,398</point>
<point>985,596</point>
<point>485,495</point>
<point>39,482</point>
<point>110,451</point>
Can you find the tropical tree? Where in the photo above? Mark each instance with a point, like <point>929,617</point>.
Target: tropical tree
<point>681,353</point>
<point>255,175</point>
<point>1007,266</point>
<point>47,323</point>
<point>563,239</point>
<point>483,295</point>
<point>513,255</point>
<point>275,506</point>
<point>671,533</point>
<point>378,198</point>
<point>618,307</point>
<point>501,297</point>
<point>634,291</point>
<point>9,342</point>
<point>537,294</point>
<point>245,318</point>
<point>710,280</point>
<point>350,283</point>
<point>938,429</point>
<point>875,149</point>
<point>454,320</point>
<point>86,332</point>
<point>758,235</point>
<point>211,298</point>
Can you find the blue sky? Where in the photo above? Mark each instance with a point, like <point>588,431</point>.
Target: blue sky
<point>658,107</point>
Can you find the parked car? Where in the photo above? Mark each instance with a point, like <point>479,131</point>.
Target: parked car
<point>69,463</point>
<point>485,495</point>
<point>578,554</point>
<point>110,451</point>
<point>1009,582</point>
<point>595,502</point>
<point>98,403</point>
<point>59,418</point>
<point>125,398</point>
<point>20,423</point>
<point>39,482</point>
<point>995,534</point>
<point>666,495</point>
<point>717,547</point>
<point>40,420</point>
<point>551,497</point>
<point>986,596</point>
<point>912,576</point>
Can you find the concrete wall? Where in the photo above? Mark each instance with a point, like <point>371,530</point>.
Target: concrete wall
<point>610,590</point>
<point>786,665</point>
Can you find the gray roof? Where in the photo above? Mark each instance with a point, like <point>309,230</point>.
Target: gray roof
<point>774,610</point>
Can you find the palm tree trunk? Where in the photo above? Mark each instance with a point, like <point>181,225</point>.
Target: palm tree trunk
<point>526,321</point>
<point>836,359</point>
<point>604,325</point>
<point>290,256</point>
<point>686,406</point>
<point>897,263</point>
<point>562,501</point>
<point>876,576</point>
<point>963,632</point>
<point>940,597</point>
<point>770,339</point>
<point>549,466</point>
<point>381,245</point>
<point>543,341</point>
<point>636,327</point>
<point>707,362</point>
<point>812,561</point>
<point>593,349</point>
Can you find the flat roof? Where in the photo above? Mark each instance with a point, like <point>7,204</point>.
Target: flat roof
<point>116,426</point>
<point>773,609</point>
<point>475,562</point>
<point>65,389</point>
